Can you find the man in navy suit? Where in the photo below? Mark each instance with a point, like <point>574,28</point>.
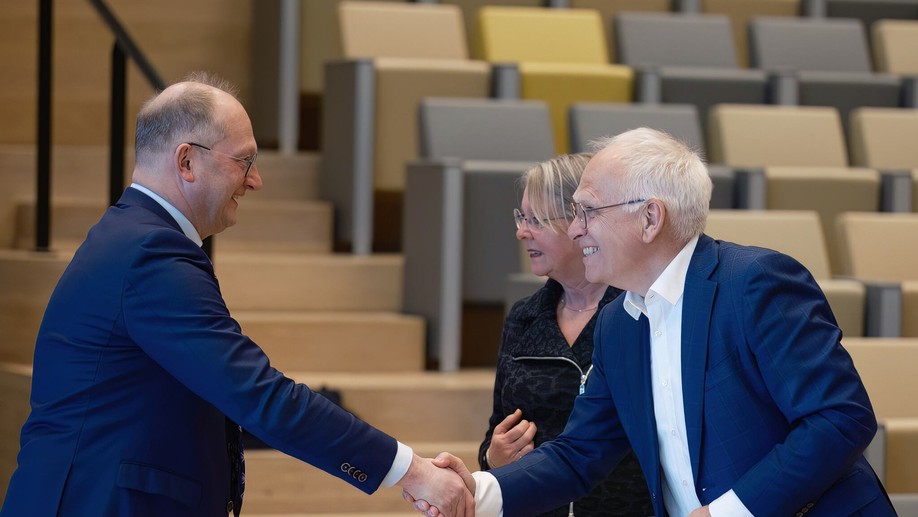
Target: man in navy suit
<point>721,366</point>
<point>139,369</point>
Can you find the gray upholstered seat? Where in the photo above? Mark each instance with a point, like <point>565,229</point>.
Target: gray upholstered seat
<point>458,242</point>
<point>687,58</point>
<point>829,59</point>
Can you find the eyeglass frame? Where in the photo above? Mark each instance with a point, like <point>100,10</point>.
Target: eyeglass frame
<point>518,218</point>
<point>248,162</point>
<point>577,209</point>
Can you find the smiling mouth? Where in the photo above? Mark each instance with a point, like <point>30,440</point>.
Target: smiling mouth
<point>534,253</point>
<point>590,250</point>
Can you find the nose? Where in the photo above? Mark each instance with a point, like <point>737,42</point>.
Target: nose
<point>253,180</point>
<point>523,233</point>
<point>575,230</point>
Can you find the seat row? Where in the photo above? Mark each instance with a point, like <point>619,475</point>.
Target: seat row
<point>458,236</point>
<point>370,103</point>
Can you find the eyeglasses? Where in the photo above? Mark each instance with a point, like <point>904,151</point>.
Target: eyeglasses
<point>533,223</point>
<point>583,214</point>
<point>247,161</point>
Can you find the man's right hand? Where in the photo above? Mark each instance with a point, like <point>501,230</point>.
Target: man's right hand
<point>512,439</point>
<point>442,491</point>
<point>444,460</point>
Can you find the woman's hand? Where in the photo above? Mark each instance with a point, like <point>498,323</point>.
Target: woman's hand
<point>512,439</point>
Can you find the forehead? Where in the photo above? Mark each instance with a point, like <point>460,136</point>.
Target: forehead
<point>599,180</point>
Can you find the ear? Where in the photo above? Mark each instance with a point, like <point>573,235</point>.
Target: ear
<point>183,162</point>
<point>653,215</point>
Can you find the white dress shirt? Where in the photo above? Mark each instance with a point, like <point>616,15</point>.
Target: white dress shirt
<point>403,455</point>
<point>663,308</point>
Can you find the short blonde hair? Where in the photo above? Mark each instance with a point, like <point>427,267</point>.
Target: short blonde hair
<point>551,185</point>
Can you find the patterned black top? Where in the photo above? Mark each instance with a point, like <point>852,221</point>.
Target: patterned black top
<point>539,373</point>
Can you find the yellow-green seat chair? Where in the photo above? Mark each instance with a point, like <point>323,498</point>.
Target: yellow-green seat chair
<point>561,55</point>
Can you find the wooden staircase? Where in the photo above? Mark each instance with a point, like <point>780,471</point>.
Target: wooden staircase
<point>326,319</point>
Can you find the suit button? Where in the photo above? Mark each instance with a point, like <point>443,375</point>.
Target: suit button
<point>810,505</point>
<point>229,507</point>
<point>799,514</point>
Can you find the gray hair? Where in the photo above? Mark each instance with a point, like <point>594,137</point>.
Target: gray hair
<point>164,121</point>
<point>551,186</point>
<point>656,165</point>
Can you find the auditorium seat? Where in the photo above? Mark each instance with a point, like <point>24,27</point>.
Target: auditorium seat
<point>867,12</point>
<point>609,9</point>
<point>886,366</point>
<point>757,136</point>
<point>459,243</point>
<point>894,44</point>
<point>826,60</point>
<point>590,121</point>
<point>561,57</point>
<point>829,191</point>
<point>798,234</point>
<point>371,100</point>
<point>696,65</point>
<point>885,140</point>
<point>740,12</point>
<point>879,248</point>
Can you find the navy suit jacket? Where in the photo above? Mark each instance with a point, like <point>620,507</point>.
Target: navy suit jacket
<point>774,408</point>
<point>136,363</point>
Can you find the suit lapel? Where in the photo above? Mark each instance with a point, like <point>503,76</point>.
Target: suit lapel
<point>641,422</point>
<point>697,307</point>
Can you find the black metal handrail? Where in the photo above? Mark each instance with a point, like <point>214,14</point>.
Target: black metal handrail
<point>123,49</point>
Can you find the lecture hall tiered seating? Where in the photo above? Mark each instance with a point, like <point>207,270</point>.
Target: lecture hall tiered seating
<point>379,258</point>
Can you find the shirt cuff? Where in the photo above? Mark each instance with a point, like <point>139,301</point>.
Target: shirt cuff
<point>400,465</point>
<point>728,505</point>
<point>489,501</point>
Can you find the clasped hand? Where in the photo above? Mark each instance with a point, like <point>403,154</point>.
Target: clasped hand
<point>446,487</point>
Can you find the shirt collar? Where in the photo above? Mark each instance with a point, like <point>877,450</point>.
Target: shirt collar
<point>183,222</point>
<point>669,285</point>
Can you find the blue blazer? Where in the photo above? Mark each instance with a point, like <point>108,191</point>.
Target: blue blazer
<point>774,408</point>
<point>136,363</point>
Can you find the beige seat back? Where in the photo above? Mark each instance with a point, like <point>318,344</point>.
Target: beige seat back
<point>828,191</point>
<point>759,136</point>
<point>880,247</point>
<point>884,138</point>
<point>886,366</point>
<point>382,29</point>
<point>795,233</point>
<point>894,46</point>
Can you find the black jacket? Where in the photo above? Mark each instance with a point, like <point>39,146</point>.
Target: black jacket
<point>540,374</point>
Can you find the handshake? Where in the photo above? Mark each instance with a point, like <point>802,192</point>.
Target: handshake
<point>442,486</point>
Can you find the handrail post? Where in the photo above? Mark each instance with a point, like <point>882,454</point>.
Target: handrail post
<point>43,148</point>
<point>116,126</point>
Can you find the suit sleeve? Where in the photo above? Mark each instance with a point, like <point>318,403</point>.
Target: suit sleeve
<point>173,310</point>
<point>795,341</point>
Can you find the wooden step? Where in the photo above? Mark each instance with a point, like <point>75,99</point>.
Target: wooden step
<point>249,281</point>
<point>28,278</point>
<point>338,341</point>
<point>429,411</point>
<point>80,172</point>
<point>15,385</point>
<point>277,484</point>
<point>278,225</point>
<point>310,282</point>
<point>415,406</point>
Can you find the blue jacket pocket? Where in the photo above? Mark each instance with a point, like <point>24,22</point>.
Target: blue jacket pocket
<point>153,480</point>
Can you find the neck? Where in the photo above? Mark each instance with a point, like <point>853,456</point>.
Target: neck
<point>582,299</point>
